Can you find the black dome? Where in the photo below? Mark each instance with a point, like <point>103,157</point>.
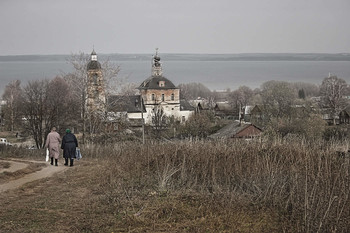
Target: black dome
<point>93,65</point>
<point>153,83</point>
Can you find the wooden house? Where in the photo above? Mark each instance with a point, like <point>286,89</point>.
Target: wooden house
<point>344,116</point>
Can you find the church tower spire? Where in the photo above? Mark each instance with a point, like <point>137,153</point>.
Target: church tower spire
<point>96,98</point>
<point>93,55</point>
<point>156,65</point>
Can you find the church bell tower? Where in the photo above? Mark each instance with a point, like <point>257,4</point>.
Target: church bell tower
<point>96,98</point>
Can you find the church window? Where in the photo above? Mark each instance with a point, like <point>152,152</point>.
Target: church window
<point>95,76</point>
<point>153,97</point>
<point>172,97</point>
<point>183,118</point>
<point>162,97</point>
<point>161,83</point>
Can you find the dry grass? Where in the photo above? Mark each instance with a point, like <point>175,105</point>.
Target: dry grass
<point>306,185</point>
<point>189,187</point>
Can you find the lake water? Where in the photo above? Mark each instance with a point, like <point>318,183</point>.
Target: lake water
<point>216,75</point>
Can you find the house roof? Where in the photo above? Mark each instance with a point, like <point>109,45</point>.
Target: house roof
<point>231,130</point>
<point>130,104</point>
<point>223,106</point>
<point>153,83</point>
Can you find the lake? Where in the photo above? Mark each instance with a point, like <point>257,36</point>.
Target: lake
<point>215,74</point>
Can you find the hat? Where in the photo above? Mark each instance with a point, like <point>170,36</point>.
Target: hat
<point>68,131</point>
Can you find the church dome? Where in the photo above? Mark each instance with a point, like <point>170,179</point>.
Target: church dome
<point>93,65</point>
<point>157,82</point>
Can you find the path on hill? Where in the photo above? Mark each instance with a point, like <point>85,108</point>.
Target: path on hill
<point>17,164</point>
<point>14,166</point>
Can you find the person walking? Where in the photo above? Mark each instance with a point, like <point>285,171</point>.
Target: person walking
<point>53,145</point>
<point>69,145</point>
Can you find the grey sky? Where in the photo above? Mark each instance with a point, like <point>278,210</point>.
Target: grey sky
<point>181,26</point>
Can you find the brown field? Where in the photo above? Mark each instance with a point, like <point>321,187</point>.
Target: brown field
<point>187,187</point>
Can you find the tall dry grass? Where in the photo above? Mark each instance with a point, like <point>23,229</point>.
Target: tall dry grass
<point>307,184</point>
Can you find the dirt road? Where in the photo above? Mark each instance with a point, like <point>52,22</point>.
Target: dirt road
<point>16,164</point>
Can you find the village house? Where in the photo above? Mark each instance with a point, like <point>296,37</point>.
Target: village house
<point>252,113</point>
<point>238,130</point>
<point>344,116</point>
<point>125,108</point>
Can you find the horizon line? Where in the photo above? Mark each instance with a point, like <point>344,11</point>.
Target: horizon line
<point>247,53</point>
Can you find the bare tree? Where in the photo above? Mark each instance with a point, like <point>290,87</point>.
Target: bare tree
<point>198,125</point>
<point>309,88</point>
<point>78,84</point>
<point>128,89</point>
<point>159,120</point>
<point>12,96</point>
<point>240,97</point>
<point>191,91</point>
<point>61,105</point>
<point>332,92</point>
<point>45,104</point>
<point>277,98</point>
<point>34,110</point>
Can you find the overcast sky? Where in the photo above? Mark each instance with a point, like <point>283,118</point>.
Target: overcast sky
<point>174,26</point>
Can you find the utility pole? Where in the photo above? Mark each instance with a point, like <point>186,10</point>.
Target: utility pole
<point>143,123</point>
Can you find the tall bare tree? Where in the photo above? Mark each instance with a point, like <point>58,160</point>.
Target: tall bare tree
<point>191,91</point>
<point>159,120</point>
<point>332,92</point>
<point>45,104</point>
<point>240,97</point>
<point>61,104</point>
<point>34,108</point>
<point>12,96</point>
<point>277,98</point>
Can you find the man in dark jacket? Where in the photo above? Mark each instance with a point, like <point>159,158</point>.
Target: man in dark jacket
<point>69,145</point>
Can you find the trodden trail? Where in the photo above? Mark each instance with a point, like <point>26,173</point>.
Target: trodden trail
<point>17,164</point>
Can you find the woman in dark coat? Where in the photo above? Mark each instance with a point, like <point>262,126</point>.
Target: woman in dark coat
<point>69,145</point>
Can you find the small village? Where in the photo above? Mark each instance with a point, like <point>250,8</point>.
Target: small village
<point>157,109</point>
<point>156,157</point>
<point>168,116</point>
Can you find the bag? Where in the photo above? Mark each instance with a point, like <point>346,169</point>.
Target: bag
<point>47,155</point>
<point>78,155</point>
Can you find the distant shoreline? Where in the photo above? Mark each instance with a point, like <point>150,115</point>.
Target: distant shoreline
<point>192,57</point>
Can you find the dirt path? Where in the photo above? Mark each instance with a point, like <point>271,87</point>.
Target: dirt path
<point>20,164</point>
<point>14,166</point>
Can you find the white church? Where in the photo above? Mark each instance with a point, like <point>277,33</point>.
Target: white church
<point>156,93</point>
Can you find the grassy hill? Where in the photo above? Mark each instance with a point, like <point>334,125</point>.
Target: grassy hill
<point>199,186</point>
